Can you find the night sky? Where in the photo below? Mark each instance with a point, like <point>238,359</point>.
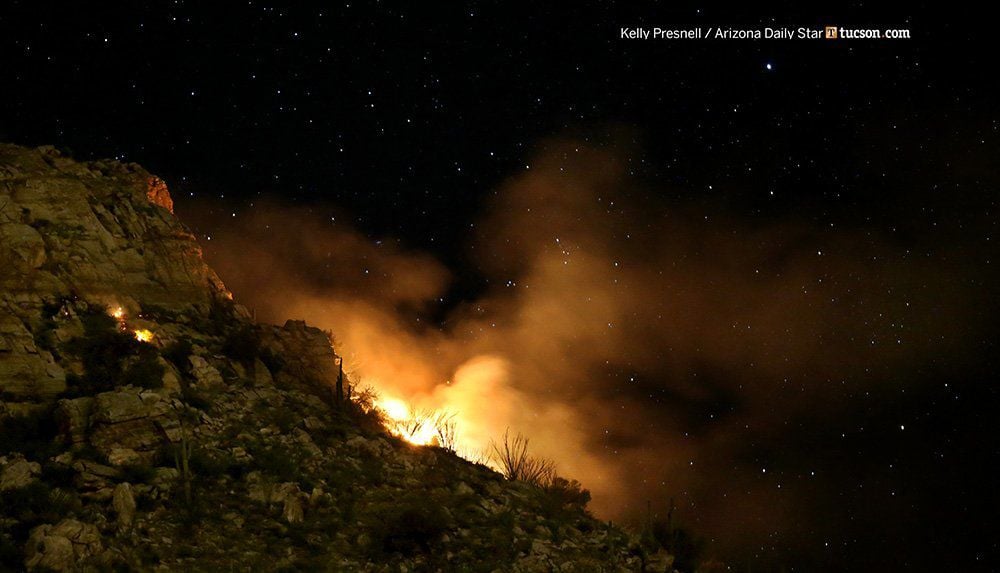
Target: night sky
<point>864,171</point>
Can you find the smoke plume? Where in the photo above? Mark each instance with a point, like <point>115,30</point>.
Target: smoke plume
<point>654,347</point>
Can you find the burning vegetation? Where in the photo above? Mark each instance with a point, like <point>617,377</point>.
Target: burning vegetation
<point>143,335</point>
<point>421,427</point>
<point>508,455</point>
<point>140,334</point>
<point>115,348</point>
<point>418,426</point>
<point>111,351</point>
<point>342,463</point>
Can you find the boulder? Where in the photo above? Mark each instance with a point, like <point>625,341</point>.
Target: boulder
<point>49,552</point>
<point>123,502</point>
<point>306,351</point>
<point>171,377</point>
<point>26,371</point>
<point>18,473</point>
<point>164,479</point>
<point>261,375</point>
<point>25,248</point>
<point>124,457</point>
<point>73,417</point>
<point>207,375</point>
<point>63,546</point>
<point>128,421</point>
<point>92,476</point>
<point>123,406</point>
<point>292,510</point>
<point>288,494</point>
<point>258,488</point>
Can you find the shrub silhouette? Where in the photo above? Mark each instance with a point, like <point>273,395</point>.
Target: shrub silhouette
<point>447,431</point>
<point>516,464</point>
<point>410,526</point>
<point>679,542</point>
<point>363,409</point>
<point>567,493</point>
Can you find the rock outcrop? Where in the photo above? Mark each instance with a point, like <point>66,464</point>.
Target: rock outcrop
<point>149,424</point>
<point>64,546</point>
<point>98,231</point>
<point>17,473</point>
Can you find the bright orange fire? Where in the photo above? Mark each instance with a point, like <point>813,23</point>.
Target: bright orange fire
<point>143,335</point>
<point>415,427</point>
<point>395,409</point>
<point>463,414</point>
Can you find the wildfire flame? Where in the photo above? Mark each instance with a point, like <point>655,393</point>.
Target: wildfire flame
<point>418,428</point>
<point>143,335</point>
<point>396,410</point>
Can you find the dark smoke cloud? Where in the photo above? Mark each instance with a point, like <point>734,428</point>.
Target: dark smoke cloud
<point>654,347</point>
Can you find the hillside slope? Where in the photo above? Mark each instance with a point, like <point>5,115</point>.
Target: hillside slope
<point>147,423</point>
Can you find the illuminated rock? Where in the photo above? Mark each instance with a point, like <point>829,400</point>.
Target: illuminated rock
<point>101,231</point>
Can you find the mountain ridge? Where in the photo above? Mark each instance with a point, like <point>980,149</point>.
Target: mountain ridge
<point>150,424</point>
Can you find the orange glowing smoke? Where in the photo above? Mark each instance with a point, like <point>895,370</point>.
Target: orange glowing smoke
<point>465,414</point>
<point>591,277</point>
<point>394,409</point>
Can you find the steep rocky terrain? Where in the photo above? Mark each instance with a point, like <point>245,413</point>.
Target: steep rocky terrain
<point>147,423</point>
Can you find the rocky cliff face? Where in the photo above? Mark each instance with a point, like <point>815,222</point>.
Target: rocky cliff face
<point>147,423</point>
<point>101,232</point>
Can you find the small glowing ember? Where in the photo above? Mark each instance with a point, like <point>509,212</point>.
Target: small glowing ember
<point>118,313</point>
<point>143,335</point>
